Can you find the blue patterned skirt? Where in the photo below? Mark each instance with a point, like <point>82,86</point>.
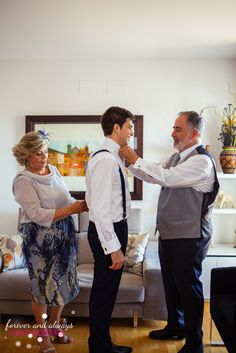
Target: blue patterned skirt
<point>51,258</point>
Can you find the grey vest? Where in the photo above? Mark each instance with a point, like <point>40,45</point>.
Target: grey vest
<point>185,212</point>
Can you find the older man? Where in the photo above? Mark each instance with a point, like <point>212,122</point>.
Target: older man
<point>189,188</point>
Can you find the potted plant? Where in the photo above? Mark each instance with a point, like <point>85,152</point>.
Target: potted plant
<point>228,138</point>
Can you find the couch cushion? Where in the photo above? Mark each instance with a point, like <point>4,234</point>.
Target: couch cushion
<point>15,285</point>
<point>131,287</point>
<point>85,255</point>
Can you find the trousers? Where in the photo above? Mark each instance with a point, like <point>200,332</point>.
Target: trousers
<point>104,289</point>
<point>181,265</point>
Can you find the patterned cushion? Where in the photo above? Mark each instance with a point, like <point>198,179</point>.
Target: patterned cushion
<point>11,249</point>
<point>135,253</point>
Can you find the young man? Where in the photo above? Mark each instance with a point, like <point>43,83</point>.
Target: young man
<point>189,188</point>
<point>108,200</point>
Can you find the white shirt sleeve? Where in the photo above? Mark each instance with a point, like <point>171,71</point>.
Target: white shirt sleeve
<point>101,181</point>
<point>196,172</point>
<point>27,197</point>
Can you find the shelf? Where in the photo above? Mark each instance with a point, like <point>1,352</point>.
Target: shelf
<point>224,211</point>
<point>222,249</point>
<point>221,175</point>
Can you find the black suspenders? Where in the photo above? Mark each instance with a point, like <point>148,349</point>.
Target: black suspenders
<point>122,181</point>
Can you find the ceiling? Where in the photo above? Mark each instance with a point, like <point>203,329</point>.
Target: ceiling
<point>117,29</point>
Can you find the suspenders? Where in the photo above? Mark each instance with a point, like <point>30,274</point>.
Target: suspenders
<point>122,181</point>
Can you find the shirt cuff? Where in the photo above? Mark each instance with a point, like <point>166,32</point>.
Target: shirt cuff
<point>111,246</point>
<point>139,163</point>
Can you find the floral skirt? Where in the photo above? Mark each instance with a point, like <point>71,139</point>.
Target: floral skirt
<point>51,258</point>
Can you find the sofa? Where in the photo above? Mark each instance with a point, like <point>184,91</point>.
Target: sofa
<point>139,296</point>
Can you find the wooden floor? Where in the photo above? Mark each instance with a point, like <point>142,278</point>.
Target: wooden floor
<point>121,330</point>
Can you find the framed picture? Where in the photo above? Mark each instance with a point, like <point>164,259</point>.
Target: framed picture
<point>73,139</point>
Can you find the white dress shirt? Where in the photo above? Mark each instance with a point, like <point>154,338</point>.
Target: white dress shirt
<point>196,172</point>
<point>104,194</point>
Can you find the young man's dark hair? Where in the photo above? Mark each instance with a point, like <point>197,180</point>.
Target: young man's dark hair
<point>112,116</point>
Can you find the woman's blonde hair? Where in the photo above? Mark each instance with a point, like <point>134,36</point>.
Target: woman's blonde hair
<point>30,143</point>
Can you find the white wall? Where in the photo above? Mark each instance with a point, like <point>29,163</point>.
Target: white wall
<point>156,89</point>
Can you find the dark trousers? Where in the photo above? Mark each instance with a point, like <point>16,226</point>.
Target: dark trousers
<point>181,265</point>
<point>104,289</point>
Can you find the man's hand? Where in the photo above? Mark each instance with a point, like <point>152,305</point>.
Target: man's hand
<point>118,259</point>
<point>128,154</point>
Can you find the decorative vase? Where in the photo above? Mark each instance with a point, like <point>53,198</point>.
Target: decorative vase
<point>228,159</point>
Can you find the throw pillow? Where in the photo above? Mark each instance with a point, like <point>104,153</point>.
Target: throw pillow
<point>11,249</point>
<point>135,252</point>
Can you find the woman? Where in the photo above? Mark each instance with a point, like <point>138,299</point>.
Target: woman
<point>49,239</point>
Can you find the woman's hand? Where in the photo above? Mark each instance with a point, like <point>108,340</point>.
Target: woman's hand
<point>79,206</point>
<point>76,207</point>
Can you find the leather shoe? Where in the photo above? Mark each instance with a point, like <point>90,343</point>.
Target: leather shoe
<point>121,349</point>
<point>167,333</point>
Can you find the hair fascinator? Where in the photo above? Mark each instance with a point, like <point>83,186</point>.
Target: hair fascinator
<point>43,134</point>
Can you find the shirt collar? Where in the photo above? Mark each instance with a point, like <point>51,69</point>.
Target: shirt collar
<point>111,145</point>
<point>186,152</point>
